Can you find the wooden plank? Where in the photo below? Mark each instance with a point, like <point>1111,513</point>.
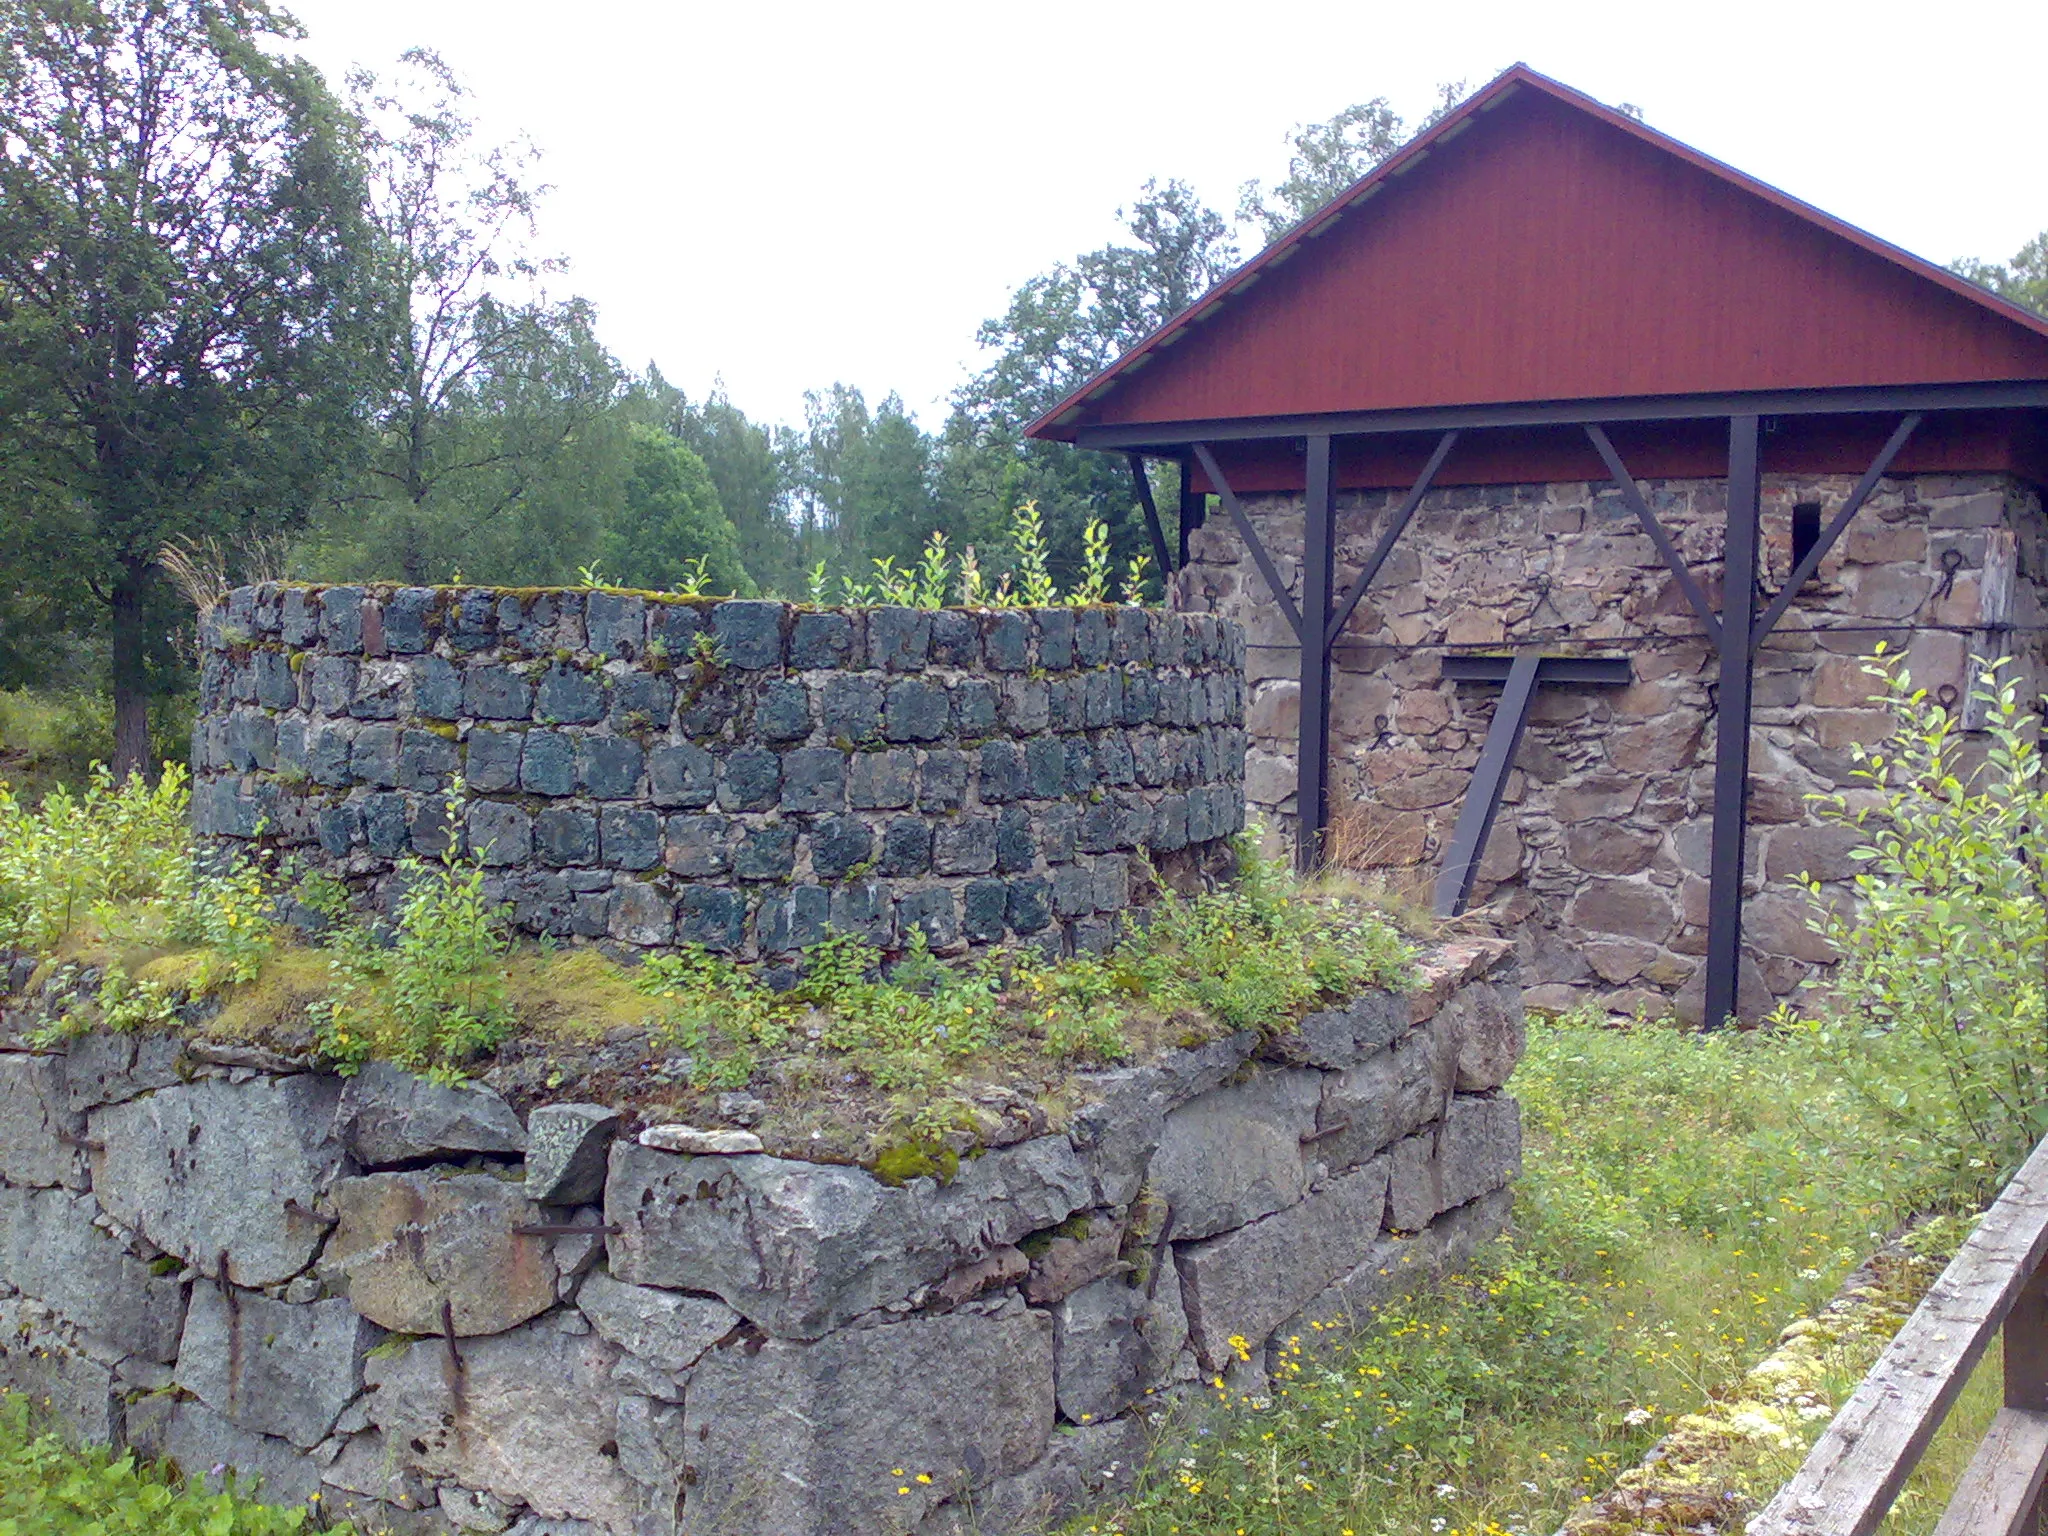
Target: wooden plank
<point>1858,1466</point>
<point>1996,1495</point>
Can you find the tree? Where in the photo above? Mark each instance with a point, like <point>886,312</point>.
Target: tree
<point>667,519</point>
<point>741,458</point>
<point>2024,279</point>
<point>1324,158</point>
<point>489,382</point>
<point>183,299</point>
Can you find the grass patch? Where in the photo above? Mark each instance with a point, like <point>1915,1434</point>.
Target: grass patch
<point>1685,1197</point>
<point>49,1489</point>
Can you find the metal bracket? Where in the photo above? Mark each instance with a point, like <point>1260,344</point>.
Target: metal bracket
<point>1626,484</point>
<point>1250,535</point>
<point>1482,798</point>
<point>1144,486</point>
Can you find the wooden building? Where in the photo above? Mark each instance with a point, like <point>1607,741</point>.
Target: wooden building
<point>1564,446</point>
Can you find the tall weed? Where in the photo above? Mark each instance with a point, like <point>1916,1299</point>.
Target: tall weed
<point>80,854</point>
<point>431,994</point>
<point>1936,1013</point>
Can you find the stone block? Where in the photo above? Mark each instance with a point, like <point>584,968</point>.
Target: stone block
<point>1819,853</point>
<point>766,852</point>
<point>640,913</point>
<point>838,843</point>
<point>1114,1340</point>
<point>1028,905</point>
<point>629,837</point>
<point>962,1399</point>
<point>851,708</point>
<point>683,775</point>
<point>409,1242</point>
<point>788,924</point>
<point>491,692</point>
<point>386,1117</point>
<point>615,624</point>
<point>1006,641</point>
<point>803,1248</point>
<point>609,767</point>
<point>749,779</point>
<point>956,640</point>
<point>565,835</point>
<point>881,781</point>
<point>530,1418</point>
<point>210,1168</point>
<point>983,905</point>
<point>568,695</point>
<point>932,912</point>
<point>500,834</point>
<point>1336,1038</point>
<point>668,1330</point>
<point>749,633</point>
<point>1480,1148</point>
<point>1248,1282</point>
<point>1632,908</point>
<point>865,910</point>
<point>964,847</point>
<point>715,918</point>
<point>782,712</point>
<point>547,764</point>
<point>899,639</point>
<point>915,710</point>
<point>491,759</point>
<point>820,640</point>
<point>566,1148</point>
<point>942,781</point>
<point>1001,774</point>
<point>1486,1019</point>
<point>341,618</point>
<point>641,702</point>
<point>697,847</point>
<point>814,779</point>
<point>1235,1154</point>
<point>1387,1096</point>
<point>35,1121</point>
<point>265,1466</point>
<point>50,1250</point>
<point>373,756</point>
<point>273,1367</point>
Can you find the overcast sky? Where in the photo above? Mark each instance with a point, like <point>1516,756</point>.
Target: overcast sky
<point>789,194</point>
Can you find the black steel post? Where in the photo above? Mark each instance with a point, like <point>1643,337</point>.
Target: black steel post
<point>1142,483</point>
<point>1192,508</point>
<point>1731,724</point>
<point>1319,558</point>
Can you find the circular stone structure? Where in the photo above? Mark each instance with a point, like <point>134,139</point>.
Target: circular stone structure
<point>747,776</point>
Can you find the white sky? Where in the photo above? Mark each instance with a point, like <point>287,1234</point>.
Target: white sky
<point>789,194</point>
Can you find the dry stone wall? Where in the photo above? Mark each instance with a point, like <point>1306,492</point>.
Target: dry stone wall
<point>437,1314</point>
<point>1599,855</point>
<point>742,775</point>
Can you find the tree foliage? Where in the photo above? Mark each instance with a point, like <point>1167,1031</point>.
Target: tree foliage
<point>668,529</point>
<point>184,294</point>
<point>2024,279</point>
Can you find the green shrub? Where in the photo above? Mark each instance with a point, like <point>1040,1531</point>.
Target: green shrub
<point>48,1489</point>
<point>434,997</point>
<point>1936,1013</point>
<point>77,856</point>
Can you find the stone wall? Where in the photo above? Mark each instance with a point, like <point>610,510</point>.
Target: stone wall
<point>741,775</point>
<point>1599,856</point>
<point>436,1312</point>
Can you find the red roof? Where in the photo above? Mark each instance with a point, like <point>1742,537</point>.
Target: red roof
<point>1535,245</point>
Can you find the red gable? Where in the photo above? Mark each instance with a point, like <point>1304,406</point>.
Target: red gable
<point>1537,246</point>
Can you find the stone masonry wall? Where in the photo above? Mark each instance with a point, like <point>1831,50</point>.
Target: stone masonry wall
<point>1599,855</point>
<point>435,1312</point>
<point>741,775</point>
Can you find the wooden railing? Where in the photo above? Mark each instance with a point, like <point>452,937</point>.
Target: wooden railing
<point>1848,1483</point>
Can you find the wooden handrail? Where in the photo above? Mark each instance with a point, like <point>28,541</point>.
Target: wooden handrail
<point>1857,1467</point>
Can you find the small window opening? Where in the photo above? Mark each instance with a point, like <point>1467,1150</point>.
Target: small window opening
<point>1805,529</point>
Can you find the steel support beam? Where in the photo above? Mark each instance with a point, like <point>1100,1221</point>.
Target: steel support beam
<point>1143,484</point>
<point>1319,558</point>
<point>1810,563</point>
<point>1395,526</point>
<point>1171,436</point>
<point>1731,724</point>
<point>1630,493</point>
<point>1193,507</point>
<point>1250,535</point>
<point>1482,796</point>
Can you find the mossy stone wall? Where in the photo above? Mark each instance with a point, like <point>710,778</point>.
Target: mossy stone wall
<point>743,775</point>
